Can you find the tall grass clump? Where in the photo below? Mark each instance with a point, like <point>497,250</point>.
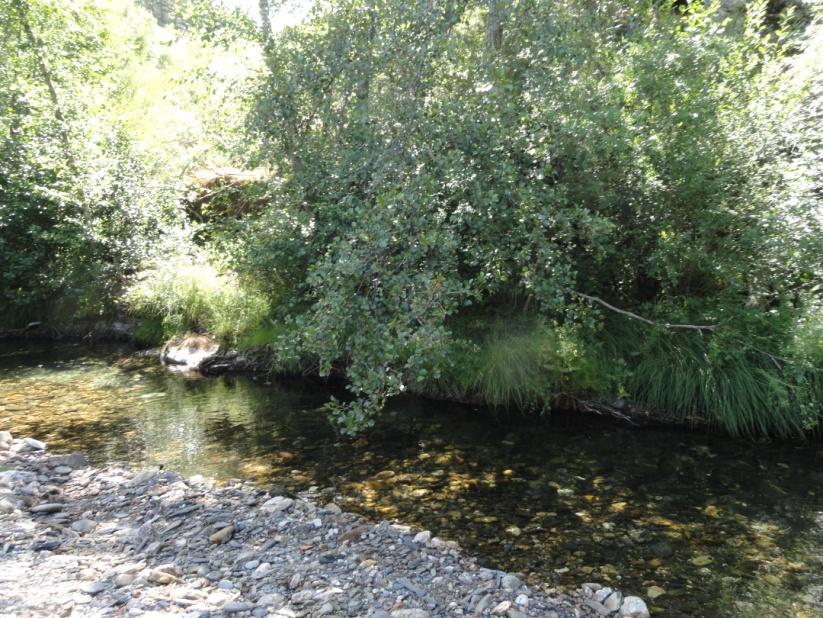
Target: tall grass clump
<point>522,363</point>
<point>187,293</point>
<point>723,382</point>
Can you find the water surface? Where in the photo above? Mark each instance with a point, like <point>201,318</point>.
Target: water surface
<point>725,528</point>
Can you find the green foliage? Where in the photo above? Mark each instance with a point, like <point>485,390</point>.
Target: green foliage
<point>634,152</point>
<point>186,293</point>
<point>728,384</point>
<point>99,115</point>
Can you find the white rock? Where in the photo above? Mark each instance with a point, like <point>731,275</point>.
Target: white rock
<point>34,445</point>
<point>522,599</point>
<point>5,436</point>
<point>277,504</point>
<point>423,537</point>
<point>634,607</point>
<point>613,601</point>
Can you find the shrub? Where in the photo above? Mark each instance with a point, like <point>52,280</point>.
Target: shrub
<point>187,293</point>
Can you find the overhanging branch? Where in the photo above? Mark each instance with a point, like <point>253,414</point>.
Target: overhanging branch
<point>640,318</point>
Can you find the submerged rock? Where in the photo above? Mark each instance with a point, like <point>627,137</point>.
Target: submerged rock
<point>634,607</point>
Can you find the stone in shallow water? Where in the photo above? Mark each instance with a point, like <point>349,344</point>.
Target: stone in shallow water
<point>634,607</point>
<point>702,560</point>
<point>655,591</point>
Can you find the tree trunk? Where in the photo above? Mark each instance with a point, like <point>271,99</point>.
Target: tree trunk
<point>43,69</point>
<point>494,26</point>
<point>265,23</point>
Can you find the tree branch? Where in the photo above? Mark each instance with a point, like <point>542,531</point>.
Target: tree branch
<point>640,318</point>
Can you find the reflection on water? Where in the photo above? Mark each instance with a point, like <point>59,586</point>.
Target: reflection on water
<point>721,528</point>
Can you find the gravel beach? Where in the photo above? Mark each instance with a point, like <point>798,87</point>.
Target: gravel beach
<point>77,540</point>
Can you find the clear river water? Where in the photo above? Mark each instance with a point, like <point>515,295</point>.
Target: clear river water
<point>707,525</point>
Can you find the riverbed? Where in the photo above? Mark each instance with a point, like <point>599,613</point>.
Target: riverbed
<point>699,525</point>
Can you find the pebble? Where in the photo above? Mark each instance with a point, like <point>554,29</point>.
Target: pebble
<point>152,543</point>
<point>511,582</point>
<point>222,535</point>
<point>48,507</point>
<point>409,613</point>
<point>34,444</point>
<point>262,570</point>
<point>237,606</point>
<point>83,526</point>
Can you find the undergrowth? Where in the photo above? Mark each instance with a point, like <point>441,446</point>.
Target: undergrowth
<point>172,296</point>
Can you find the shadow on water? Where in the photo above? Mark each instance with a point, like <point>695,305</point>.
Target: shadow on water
<point>719,527</point>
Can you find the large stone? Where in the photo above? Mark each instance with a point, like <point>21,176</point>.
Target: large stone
<point>189,352</point>
<point>277,504</point>
<point>634,607</point>
<point>5,436</point>
<point>613,601</point>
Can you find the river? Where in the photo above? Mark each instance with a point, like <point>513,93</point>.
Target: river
<point>707,525</point>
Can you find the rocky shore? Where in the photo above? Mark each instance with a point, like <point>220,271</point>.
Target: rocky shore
<point>85,541</point>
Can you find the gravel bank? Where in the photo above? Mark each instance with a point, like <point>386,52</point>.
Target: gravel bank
<point>83,541</point>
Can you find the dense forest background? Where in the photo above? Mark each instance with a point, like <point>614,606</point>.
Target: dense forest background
<point>610,206</point>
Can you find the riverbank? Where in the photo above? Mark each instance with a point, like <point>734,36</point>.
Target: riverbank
<point>97,541</point>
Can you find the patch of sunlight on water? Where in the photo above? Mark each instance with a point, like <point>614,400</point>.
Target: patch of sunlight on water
<point>709,526</point>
